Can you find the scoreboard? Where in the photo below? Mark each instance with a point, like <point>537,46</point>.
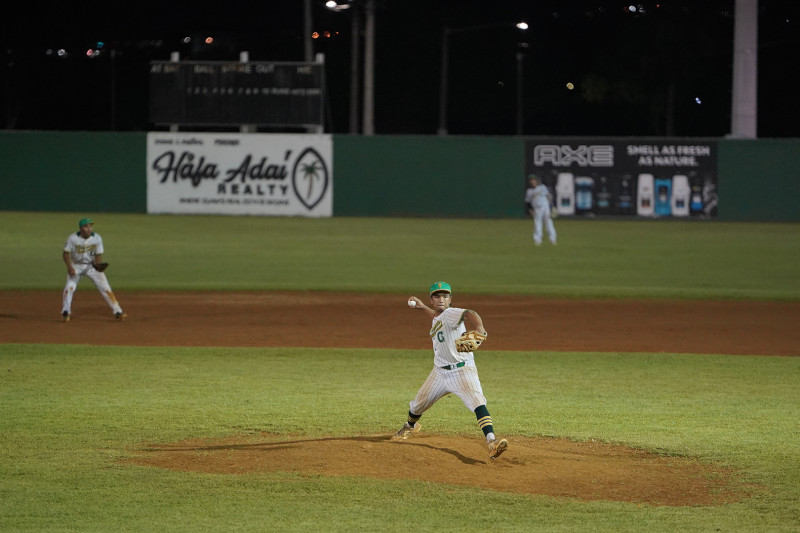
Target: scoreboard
<point>220,93</point>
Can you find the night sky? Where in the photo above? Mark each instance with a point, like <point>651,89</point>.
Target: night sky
<point>644,69</point>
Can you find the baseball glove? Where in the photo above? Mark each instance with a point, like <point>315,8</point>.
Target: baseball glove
<point>469,341</point>
<point>100,266</point>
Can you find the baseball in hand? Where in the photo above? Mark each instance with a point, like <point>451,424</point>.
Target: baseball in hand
<point>412,303</point>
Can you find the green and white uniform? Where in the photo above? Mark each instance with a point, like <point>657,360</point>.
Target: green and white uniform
<point>82,252</point>
<point>453,372</point>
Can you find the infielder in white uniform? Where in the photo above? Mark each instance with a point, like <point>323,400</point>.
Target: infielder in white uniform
<point>453,372</point>
<point>82,251</point>
<point>538,200</point>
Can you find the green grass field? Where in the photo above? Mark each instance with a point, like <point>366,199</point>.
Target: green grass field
<point>669,259</point>
<point>70,414</point>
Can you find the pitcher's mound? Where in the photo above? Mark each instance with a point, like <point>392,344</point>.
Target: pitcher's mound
<point>553,467</point>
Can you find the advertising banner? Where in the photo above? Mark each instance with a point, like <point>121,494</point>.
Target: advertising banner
<point>645,178</point>
<point>240,174</point>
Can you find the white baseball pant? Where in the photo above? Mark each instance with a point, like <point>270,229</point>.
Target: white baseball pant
<point>463,382</point>
<point>100,281</point>
<point>541,217</point>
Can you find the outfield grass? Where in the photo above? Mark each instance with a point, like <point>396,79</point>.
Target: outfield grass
<point>71,413</point>
<point>651,259</point>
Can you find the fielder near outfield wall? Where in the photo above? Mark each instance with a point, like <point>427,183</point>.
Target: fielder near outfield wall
<point>240,174</point>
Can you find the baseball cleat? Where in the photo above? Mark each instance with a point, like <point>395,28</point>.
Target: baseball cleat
<point>496,447</point>
<point>120,316</point>
<point>65,316</point>
<point>406,431</point>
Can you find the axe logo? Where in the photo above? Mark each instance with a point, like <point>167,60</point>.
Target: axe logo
<point>600,155</point>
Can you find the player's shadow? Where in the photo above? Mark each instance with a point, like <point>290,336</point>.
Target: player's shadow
<point>285,445</point>
<point>463,458</point>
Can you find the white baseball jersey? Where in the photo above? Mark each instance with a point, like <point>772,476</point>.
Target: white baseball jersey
<point>538,197</point>
<point>446,328</point>
<point>83,250</point>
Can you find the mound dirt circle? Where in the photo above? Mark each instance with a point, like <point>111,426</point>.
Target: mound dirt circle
<point>534,466</point>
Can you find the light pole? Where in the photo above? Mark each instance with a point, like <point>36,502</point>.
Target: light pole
<point>445,60</point>
<point>355,59</point>
<point>744,107</point>
<point>368,118</point>
<point>366,9</point>
<point>355,55</point>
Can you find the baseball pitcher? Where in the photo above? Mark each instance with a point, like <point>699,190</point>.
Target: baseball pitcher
<point>456,333</point>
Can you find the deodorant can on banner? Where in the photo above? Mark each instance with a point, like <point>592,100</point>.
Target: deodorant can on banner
<point>604,199</point>
<point>625,196</point>
<point>663,204</point>
<point>565,194</point>
<point>644,195</point>
<point>584,195</point>
<point>681,193</point>
<point>696,203</point>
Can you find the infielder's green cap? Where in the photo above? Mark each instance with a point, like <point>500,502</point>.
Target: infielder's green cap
<point>85,221</point>
<point>441,286</point>
<point>533,177</point>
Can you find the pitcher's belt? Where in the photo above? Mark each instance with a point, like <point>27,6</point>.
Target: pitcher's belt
<point>453,367</point>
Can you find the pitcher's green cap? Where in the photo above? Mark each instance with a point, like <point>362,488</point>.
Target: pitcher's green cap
<point>441,286</point>
<point>85,221</point>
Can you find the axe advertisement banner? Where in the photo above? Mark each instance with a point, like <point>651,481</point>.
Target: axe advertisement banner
<point>641,178</point>
<point>240,174</point>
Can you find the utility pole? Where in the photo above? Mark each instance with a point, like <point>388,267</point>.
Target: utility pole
<point>369,69</point>
<point>355,61</point>
<point>744,106</point>
<point>307,29</point>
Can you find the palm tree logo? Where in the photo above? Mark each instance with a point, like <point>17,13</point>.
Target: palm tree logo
<point>310,173</point>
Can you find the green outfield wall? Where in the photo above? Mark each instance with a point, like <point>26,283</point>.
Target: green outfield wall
<point>428,176</point>
<point>417,176</point>
<point>72,171</point>
<point>760,180</point>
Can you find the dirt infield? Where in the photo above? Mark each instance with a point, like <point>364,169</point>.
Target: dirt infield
<point>315,319</point>
<point>561,468</point>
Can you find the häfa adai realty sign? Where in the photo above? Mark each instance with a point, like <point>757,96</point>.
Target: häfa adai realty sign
<point>240,174</point>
